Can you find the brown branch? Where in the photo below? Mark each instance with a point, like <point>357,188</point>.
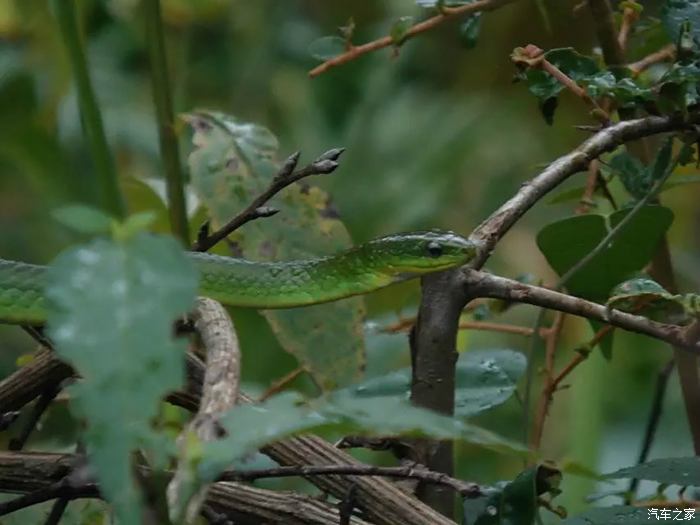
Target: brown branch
<point>447,13</point>
<point>666,53</point>
<point>549,387</point>
<point>418,472</point>
<point>499,222</point>
<point>488,285</point>
<point>405,325</point>
<point>287,175</point>
<point>281,383</point>
<point>220,390</point>
<point>40,476</point>
<point>382,502</point>
<point>533,57</point>
<point>629,18</point>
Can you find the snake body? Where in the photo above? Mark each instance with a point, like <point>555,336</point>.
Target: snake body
<point>239,282</point>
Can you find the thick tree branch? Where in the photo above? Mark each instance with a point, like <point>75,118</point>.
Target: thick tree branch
<point>39,476</point>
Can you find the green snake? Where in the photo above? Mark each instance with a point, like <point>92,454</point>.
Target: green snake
<point>239,282</point>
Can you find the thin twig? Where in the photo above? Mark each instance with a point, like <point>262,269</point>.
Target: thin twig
<point>326,163</point>
<point>629,18</point>
<point>162,98</point>
<point>45,399</point>
<point>551,346</point>
<point>108,195</point>
<point>666,53</point>
<point>57,510</point>
<point>75,484</point>
<point>653,419</point>
<point>447,13</point>
<point>406,324</point>
<point>418,472</point>
<point>533,57</point>
<point>281,383</point>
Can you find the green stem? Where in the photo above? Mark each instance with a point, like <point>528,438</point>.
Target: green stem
<point>162,98</point>
<point>108,196</point>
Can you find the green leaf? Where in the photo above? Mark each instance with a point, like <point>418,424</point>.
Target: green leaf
<point>632,173</point>
<point>232,164</point>
<point>675,13</point>
<point>644,296</point>
<point>327,47</point>
<point>515,502</point>
<point>469,31</point>
<point>662,161</point>
<point>546,88</point>
<point>567,241</point>
<point>111,309</point>
<point>83,219</point>
<point>252,426</point>
<point>484,379</point>
<point>622,515</point>
<point>399,29</point>
<point>670,471</point>
<point>134,224</point>
<point>573,194</point>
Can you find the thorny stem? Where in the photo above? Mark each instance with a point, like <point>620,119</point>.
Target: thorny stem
<point>447,13</point>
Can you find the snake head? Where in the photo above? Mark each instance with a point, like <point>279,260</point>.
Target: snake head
<point>406,255</point>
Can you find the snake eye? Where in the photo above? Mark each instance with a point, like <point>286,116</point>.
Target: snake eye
<point>434,249</point>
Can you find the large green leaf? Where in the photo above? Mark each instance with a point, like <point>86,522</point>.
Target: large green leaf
<point>232,164</point>
<point>567,241</point>
<point>670,471</point>
<point>111,309</point>
<point>252,426</point>
<point>484,379</point>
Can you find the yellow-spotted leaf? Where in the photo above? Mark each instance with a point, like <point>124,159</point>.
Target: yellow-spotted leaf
<point>232,163</point>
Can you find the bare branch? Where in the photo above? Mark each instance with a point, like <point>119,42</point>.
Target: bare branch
<point>487,285</point>
<point>498,223</point>
<point>666,53</point>
<point>325,164</point>
<point>418,472</point>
